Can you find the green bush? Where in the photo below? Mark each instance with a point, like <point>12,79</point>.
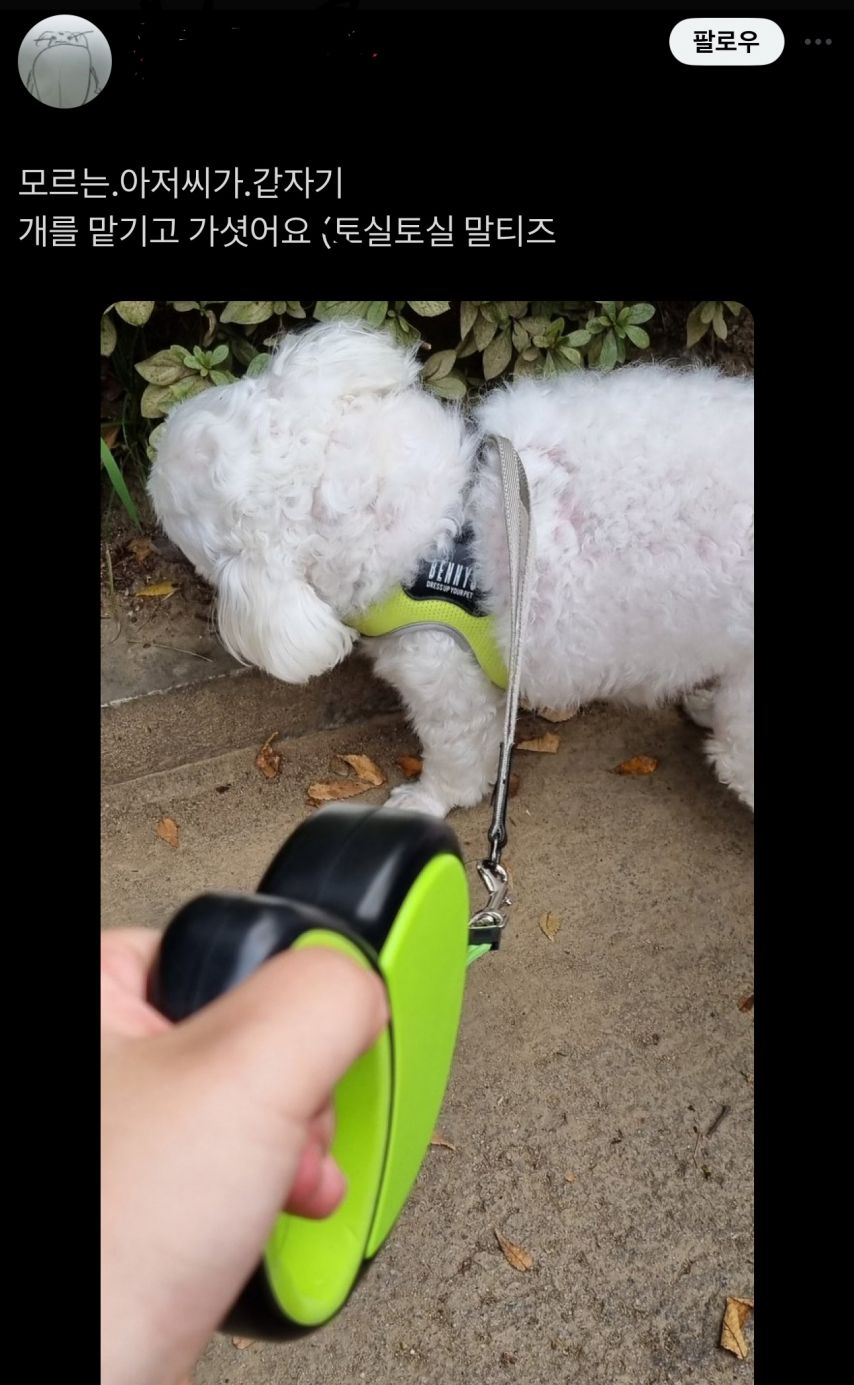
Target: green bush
<point>154,355</point>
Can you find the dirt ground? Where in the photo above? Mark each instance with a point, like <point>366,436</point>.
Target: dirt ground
<point>585,1103</point>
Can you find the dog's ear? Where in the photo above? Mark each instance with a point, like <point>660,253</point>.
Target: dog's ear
<point>278,623</point>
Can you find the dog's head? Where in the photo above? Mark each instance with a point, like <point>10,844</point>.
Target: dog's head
<point>285,489</point>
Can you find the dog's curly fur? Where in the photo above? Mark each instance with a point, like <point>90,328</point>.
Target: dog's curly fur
<point>307,493</point>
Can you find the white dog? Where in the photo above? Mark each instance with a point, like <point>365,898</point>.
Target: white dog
<point>307,494</point>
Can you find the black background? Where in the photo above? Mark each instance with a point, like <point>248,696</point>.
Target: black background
<point>581,116</point>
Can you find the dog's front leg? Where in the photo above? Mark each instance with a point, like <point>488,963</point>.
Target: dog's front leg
<point>456,712</point>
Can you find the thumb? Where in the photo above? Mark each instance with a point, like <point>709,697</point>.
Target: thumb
<point>288,1034</point>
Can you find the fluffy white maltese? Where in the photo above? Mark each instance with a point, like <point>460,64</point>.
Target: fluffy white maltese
<point>307,494</point>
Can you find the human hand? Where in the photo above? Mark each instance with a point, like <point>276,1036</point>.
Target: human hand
<point>209,1129</point>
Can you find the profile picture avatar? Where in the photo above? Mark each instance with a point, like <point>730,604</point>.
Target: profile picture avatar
<point>64,61</point>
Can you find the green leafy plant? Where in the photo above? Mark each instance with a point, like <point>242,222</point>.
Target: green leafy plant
<point>613,327</point>
<point>710,314</point>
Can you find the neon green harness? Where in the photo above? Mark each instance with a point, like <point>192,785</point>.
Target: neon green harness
<point>400,611</point>
<point>443,595</point>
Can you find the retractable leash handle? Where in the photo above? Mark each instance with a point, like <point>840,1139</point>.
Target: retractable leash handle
<point>389,890</point>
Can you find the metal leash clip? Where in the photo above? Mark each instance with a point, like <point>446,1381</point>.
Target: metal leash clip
<point>487,924</point>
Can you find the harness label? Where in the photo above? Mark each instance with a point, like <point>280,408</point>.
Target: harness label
<point>450,578</point>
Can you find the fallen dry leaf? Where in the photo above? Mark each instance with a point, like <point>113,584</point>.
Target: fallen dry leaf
<point>638,764</point>
<point>242,1342</point>
<point>411,765</point>
<point>550,925</point>
<point>514,1255</point>
<point>158,589</point>
<point>439,1139</point>
<point>110,435</point>
<point>167,831</point>
<point>555,714</point>
<point>746,1003</point>
<point>544,745</point>
<point>366,770</point>
<point>141,549</point>
<point>569,1177</point>
<point>269,761</point>
<point>737,1312</point>
<point>339,788</point>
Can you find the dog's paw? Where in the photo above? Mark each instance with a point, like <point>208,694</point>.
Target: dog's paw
<point>412,798</point>
<point>699,706</point>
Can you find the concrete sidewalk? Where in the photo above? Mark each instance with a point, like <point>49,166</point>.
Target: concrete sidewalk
<point>600,1055</point>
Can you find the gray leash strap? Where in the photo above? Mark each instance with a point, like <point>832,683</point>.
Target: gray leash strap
<point>487,924</point>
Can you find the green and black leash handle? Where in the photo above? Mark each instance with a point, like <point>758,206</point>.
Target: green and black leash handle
<point>388,889</point>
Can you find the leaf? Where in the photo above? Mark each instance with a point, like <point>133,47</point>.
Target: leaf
<point>109,336</point>
<point>746,1003</point>
<point>516,308</point>
<point>366,770</point>
<point>513,1254</point>
<point>441,363</point>
<point>328,309</point>
<point>697,329</point>
<point>185,389</point>
<point>550,925</point>
<point>339,788</point>
<point>162,368</point>
<point>735,308</point>
<point>497,355</point>
<point>119,484</point>
<point>167,831</point>
<point>609,308</point>
<point>428,309</point>
<point>720,323</point>
<point>638,336</point>
<point>183,305</point>
<point>259,363</point>
<point>521,339</point>
<point>555,714</point>
<point>412,765</point>
<point>152,401</point>
<point>136,312</point>
<point>247,311</point>
<point>640,312</point>
<point>737,1312</point>
<point>242,1342</point>
<point>570,1177</point>
<point>579,338</point>
<point>608,354</point>
<point>269,761</point>
<point>222,377</point>
<point>376,313</point>
<point>141,549</point>
<point>219,354</point>
<point>707,311</point>
<point>157,589</point>
<point>484,331</point>
<point>546,744</point>
<point>638,764</point>
<point>440,1141</point>
<point>450,387</point>
<point>468,317</point>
